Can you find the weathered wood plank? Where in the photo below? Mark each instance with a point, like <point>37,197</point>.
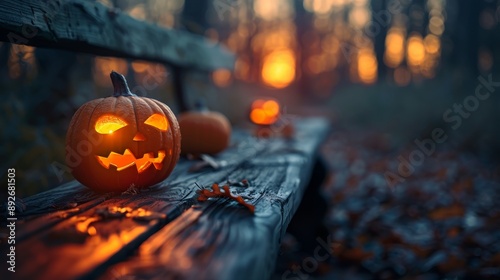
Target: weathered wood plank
<point>46,209</point>
<point>90,27</point>
<point>222,240</point>
<point>87,243</point>
<point>118,225</point>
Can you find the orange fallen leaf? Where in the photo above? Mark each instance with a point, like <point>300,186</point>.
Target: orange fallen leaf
<point>205,194</point>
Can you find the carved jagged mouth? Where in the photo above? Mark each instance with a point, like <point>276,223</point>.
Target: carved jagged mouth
<point>128,159</point>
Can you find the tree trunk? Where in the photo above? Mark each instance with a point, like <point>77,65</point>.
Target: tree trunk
<point>4,60</point>
<point>194,15</point>
<point>465,36</point>
<point>379,10</point>
<point>302,22</point>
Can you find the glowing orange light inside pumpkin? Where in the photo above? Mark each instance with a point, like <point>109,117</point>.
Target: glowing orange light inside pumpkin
<point>158,121</point>
<point>108,124</point>
<point>264,112</point>
<point>122,162</point>
<point>271,108</point>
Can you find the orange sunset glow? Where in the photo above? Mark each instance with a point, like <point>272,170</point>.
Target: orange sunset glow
<point>265,39</point>
<point>279,68</point>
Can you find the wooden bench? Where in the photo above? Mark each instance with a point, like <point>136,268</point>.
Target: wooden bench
<point>90,27</point>
<point>164,231</point>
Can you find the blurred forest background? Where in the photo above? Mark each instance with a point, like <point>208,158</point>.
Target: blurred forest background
<point>395,66</point>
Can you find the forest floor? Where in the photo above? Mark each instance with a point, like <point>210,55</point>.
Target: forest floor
<point>438,221</point>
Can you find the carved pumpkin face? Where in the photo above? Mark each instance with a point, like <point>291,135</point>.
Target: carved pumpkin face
<point>121,141</point>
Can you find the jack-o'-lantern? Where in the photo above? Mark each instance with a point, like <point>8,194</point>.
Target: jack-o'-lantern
<point>264,112</point>
<point>204,132</point>
<point>122,141</point>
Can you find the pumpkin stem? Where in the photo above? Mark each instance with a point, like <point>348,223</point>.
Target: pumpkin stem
<point>120,85</point>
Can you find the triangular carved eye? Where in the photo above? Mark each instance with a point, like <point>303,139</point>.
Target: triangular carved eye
<point>158,121</point>
<point>108,124</point>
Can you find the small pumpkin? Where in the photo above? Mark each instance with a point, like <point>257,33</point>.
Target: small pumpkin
<point>204,132</point>
<point>121,141</point>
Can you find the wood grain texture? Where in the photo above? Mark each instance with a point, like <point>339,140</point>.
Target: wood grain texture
<point>63,235</point>
<point>180,237</point>
<point>220,239</point>
<point>90,27</point>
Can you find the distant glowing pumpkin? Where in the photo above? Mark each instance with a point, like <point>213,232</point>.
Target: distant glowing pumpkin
<point>122,141</point>
<point>264,112</point>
